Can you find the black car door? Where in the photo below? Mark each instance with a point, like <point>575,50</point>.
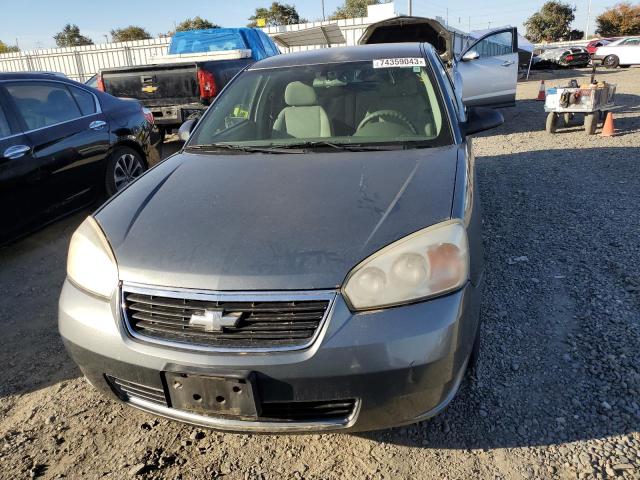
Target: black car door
<point>69,136</point>
<point>20,179</point>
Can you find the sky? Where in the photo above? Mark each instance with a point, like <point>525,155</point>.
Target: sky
<point>32,23</point>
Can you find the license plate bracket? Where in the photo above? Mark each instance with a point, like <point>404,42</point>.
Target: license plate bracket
<point>213,395</point>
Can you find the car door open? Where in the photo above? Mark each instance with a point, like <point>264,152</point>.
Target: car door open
<point>486,72</point>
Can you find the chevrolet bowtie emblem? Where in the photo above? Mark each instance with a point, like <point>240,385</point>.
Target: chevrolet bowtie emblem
<point>214,320</point>
<point>149,89</point>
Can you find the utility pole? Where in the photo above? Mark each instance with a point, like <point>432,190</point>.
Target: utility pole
<point>323,15</point>
<point>586,30</point>
<point>410,8</point>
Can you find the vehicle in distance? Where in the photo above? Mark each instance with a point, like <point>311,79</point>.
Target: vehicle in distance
<point>62,145</point>
<point>183,83</point>
<point>571,57</point>
<point>624,52</point>
<point>311,259</point>
<point>593,45</point>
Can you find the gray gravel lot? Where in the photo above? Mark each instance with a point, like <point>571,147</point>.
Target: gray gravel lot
<point>557,393</point>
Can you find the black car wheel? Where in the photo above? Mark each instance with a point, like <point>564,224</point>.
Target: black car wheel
<point>611,61</point>
<point>124,166</point>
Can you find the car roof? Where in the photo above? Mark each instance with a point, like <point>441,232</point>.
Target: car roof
<point>342,54</point>
<point>32,76</point>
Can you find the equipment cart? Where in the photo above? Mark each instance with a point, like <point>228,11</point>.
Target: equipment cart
<point>591,100</point>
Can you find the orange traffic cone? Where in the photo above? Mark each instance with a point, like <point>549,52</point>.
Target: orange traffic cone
<point>541,92</point>
<point>608,130</point>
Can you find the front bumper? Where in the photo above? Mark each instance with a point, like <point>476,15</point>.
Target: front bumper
<point>398,365</point>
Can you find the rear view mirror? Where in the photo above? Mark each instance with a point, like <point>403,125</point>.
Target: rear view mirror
<point>480,119</point>
<point>186,128</point>
<point>470,55</point>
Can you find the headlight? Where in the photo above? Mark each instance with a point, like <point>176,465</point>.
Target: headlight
<point>90,263</point>
<point>427,263</point>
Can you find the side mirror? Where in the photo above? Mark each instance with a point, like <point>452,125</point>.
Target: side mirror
<point>186,128</point>
<point>470,55</point>
<point>480,119</point>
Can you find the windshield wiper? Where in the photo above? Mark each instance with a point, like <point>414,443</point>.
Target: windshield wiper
<point>350,147</point>
<point>241,148</point>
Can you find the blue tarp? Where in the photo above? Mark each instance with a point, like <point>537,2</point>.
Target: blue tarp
<point>220,39</point>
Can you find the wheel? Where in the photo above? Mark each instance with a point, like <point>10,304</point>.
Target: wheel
<point>611,61</point>
<point>567,118</point>
<point>552,122</point>
<point>590,123</point>
<point>123,166</point>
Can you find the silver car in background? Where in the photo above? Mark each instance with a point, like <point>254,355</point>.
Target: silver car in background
<point>311,260</point>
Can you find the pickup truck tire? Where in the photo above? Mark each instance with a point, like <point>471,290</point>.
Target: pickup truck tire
<point>611,61</point>
<point>123,166</point>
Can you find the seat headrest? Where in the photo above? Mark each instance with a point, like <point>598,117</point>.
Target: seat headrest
<point>298,94</point>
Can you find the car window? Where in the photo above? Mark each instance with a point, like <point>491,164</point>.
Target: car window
<point>42,104</point>
<point>499,43</point>
<point>86,101</point>
<point>5,131</point>
<point>348,103</point>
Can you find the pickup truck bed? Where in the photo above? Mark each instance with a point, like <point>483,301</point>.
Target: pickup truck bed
<point>170,90</point>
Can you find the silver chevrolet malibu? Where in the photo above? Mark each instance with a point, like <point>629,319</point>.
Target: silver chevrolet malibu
<point>311,260</point>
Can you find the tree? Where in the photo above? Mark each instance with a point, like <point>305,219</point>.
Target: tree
<point>197,23</point>
<point>70,37</point>
<point>129,33</point>
<point>276,15</point>
<point>550,23</point>
<point>621,20</point>
<point>352,9</point>
<point>4,48</point>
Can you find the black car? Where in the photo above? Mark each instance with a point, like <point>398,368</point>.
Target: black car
<point>62,146</point>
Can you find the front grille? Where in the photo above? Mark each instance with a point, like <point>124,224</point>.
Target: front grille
<point>126,389</point>
<point>307,411</point>
<point>259,324</point>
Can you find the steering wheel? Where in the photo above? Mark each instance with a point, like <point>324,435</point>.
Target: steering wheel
<point>389,114</point>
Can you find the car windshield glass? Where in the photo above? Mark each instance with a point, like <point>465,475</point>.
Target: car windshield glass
<point>331,107</point>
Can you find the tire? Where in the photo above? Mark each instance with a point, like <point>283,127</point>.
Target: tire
<point>552,122</point>
<point>590,123</point>
<point>567,118</point>
<point>611,61</point>
<point>123,166</point>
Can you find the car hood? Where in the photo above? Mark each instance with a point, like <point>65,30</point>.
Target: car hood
<point>273,222</point>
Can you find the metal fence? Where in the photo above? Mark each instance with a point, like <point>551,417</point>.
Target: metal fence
<point>81,63</point>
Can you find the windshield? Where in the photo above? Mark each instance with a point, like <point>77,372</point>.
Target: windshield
<point>328,106</point>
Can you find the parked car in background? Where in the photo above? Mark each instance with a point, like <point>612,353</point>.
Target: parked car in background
<point>310,261</point>
<point>183,83</point>
<point>62,145</point>
<point>570,57</point>
<point>623,52</point>
<point>593,45</point>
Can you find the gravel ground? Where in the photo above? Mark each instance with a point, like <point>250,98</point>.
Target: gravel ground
<point>557,393</point>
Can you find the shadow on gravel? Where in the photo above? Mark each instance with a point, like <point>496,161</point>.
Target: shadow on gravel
<point>561,310</point>
<point>31,274</point>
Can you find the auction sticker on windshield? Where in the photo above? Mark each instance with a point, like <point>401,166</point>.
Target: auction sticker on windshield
<point>399,62</point>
